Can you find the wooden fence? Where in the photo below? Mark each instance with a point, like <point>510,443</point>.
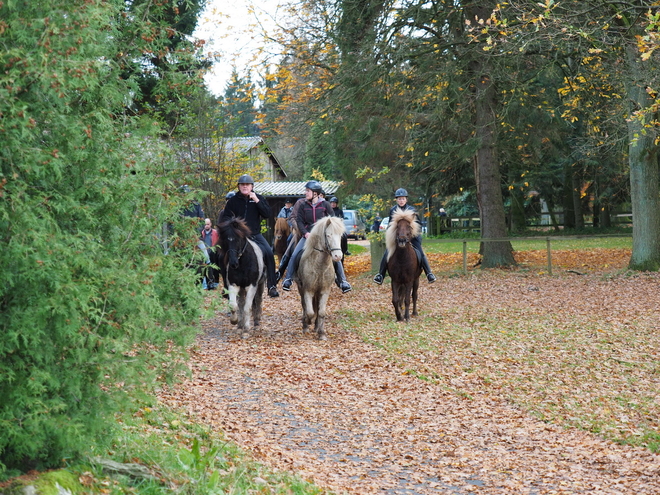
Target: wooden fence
<point>378,248</point>
<point>440,225</point>
<point>548,241</point>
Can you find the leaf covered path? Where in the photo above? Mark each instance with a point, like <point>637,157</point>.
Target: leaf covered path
<point>344,415</point>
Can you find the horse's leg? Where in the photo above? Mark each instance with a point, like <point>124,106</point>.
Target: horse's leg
<point>233,303</point>
<point>322,301</point>
<point>415,287</point>
<point>396,300</point>
<point>308,310</point>
<point>257,304</point>
<point>246,310</point>
<point>406,301</point>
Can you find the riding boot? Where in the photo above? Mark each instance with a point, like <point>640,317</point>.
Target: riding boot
<point>284,262</point>
<point>290,272</point>
<point>341,277</point>
<point>380,276</point>
<point>427,268</point>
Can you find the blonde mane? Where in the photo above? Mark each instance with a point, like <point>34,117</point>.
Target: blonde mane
<point>390,233</point>
<point>335,224</point>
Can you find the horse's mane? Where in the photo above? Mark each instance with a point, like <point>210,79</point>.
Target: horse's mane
<point>390,233</point>
<point>235,224</point>
<point>282,224</point>
<point>335,224</point>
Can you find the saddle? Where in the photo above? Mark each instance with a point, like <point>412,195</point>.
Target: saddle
<point>418,252</point>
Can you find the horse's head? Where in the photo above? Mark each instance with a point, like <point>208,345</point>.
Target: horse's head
<point>326,236</point>
<point>403,233</point>
<point>233,238</point>
<point>401,230</point>
<point>281,229</point>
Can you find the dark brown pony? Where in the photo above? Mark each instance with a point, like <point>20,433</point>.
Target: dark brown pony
<point>282,232</point>
<point>402,263</point>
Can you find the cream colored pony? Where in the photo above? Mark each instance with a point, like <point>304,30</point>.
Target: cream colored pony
<point>315,274</point>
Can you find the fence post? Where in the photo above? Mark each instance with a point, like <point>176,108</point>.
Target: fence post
<point>464,257</point>
<point>547,240</point>
<point>377,250</point>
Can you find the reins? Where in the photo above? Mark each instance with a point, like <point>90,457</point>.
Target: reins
<point>327,249</point>
<point>238,255</point>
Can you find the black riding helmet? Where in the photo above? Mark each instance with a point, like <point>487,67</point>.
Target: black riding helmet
<point>334,199</point>
<point>245,179</point>
<point>401,192</point>
<point>314,186</point>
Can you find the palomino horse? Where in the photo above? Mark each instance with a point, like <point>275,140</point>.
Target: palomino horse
<point>402,263</point>
<point>315,274</point>
<point>282,231</point>
<point>245,273</point>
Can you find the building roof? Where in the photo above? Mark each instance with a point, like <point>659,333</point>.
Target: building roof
<point>292,189</point>
<point>241,144</point>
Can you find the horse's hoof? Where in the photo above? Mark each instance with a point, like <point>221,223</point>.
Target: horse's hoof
<point>245,335</point>
<point>323,337</point>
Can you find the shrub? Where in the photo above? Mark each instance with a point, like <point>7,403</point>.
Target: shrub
<point>88,299</point>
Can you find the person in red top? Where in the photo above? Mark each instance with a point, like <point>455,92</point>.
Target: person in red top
<point>312,209</point>
<point>208,240</point>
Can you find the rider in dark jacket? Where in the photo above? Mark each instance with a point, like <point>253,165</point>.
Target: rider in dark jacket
<point>252,207</point>
<point>402,204</point>
<point>308,212</point>
<point>334,202</point>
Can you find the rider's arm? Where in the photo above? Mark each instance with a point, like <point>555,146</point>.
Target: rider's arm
<point>300,220</point>
<point>263,207</point>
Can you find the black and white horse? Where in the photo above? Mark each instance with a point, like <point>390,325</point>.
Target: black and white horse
<point>244,272</point>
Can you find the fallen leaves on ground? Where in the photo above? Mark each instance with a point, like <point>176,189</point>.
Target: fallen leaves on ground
<point>507,382</point>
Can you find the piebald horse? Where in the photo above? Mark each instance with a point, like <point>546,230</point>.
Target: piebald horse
<point>245,272</point>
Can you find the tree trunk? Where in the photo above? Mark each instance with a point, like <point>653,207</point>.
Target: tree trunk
<point>644,176</point>
<point>576,185</point>
<point>517,223</point>
<point>487,173</point>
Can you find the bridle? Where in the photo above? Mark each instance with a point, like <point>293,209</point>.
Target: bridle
<point>238,255</point>
<point>404,239</point>
<point>327,248</point>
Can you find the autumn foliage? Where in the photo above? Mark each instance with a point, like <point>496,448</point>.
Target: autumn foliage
<point>508,382</point>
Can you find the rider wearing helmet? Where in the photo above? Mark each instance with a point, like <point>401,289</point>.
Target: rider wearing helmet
<point>310,210</point>
<point>401,196</point>
<point>252,207</point>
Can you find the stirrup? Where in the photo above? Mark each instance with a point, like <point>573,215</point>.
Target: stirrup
<point>286,285</point>
<point>431,278</point>
<point>378,279</point>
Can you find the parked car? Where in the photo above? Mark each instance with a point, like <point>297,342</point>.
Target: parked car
<point>383,224</point>
<point>356,228</point>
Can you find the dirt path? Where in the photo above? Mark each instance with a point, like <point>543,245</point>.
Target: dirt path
<point>340,414</point>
